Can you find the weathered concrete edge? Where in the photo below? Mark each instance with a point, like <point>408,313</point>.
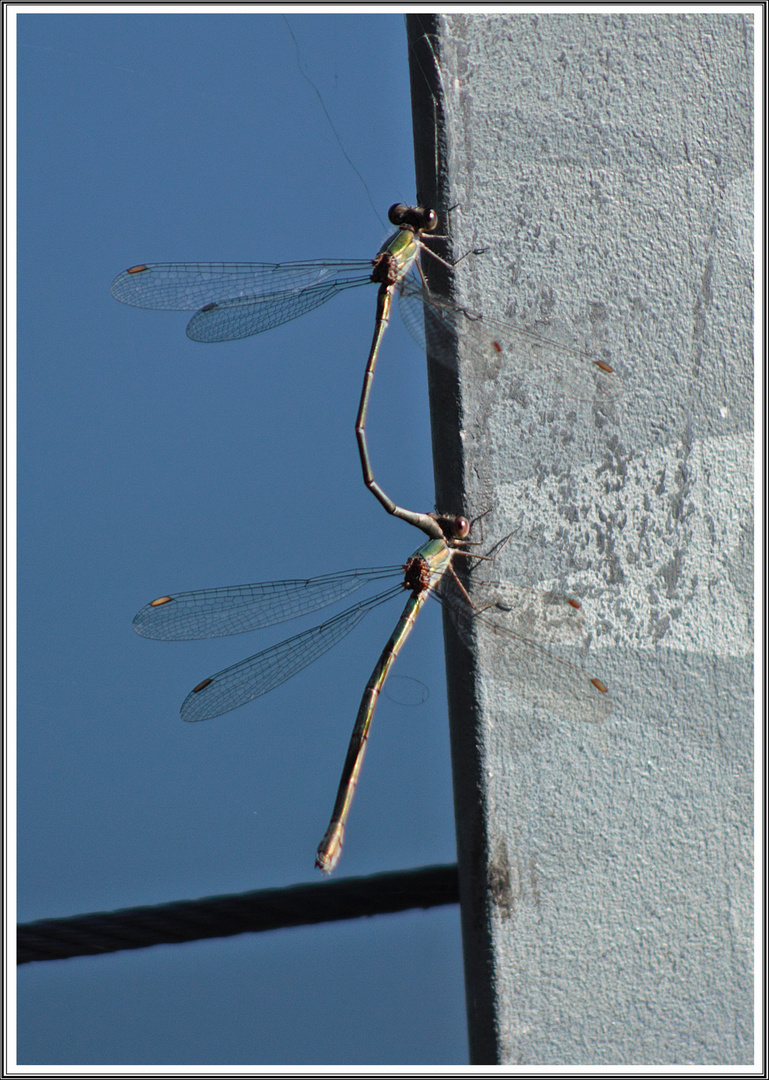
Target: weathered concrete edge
<point>431,159</point>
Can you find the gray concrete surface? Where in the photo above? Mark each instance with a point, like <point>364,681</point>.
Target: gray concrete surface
<point>605,163</point>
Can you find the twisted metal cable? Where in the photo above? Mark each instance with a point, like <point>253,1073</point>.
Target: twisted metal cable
<point>238,913</point>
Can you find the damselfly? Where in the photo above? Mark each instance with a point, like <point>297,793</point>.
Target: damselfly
<point>237,300</point>
<point>523,626</point>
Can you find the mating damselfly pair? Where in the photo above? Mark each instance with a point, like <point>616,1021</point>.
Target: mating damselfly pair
<point>237,300</point>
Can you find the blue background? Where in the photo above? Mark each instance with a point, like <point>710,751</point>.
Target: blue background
<point>149,463</point>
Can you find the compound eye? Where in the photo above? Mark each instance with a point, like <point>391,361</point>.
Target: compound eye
<point>454,528</point>
<point>397,213</point>
<point>430,221</point>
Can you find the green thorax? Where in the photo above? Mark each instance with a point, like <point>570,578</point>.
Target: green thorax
<point>436,553</point>
<point>402,247</point>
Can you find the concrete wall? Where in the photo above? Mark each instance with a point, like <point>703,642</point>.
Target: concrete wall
<point>605,164</point>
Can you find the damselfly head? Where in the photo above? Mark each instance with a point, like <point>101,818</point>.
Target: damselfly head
<point>429,221</point>
<point>461,528</point>
<point>453,528</point>
<point>413,217</point>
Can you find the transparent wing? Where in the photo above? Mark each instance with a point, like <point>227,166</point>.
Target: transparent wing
<point>537,368</point>
<point>235,609</point>
<point>244,316</point>
<point>188,286</point>
<point>545,617</point>
<point>261,673</point>
<point>237,300</point>
<point>520,628</point>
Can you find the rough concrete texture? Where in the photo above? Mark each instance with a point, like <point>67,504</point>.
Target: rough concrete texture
<point>605,164</point>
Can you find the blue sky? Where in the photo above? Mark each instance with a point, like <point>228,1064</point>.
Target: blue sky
<point>148,463</point>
